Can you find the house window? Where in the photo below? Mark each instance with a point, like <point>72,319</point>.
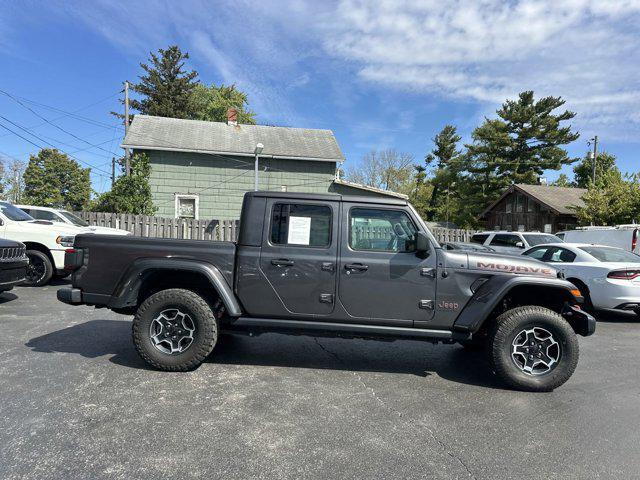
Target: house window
<point>186,206</point>
<point>509,206</point>
<point>519,204</point>
<point>530,205</point>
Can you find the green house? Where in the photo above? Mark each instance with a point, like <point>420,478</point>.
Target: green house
<point>202,169</point>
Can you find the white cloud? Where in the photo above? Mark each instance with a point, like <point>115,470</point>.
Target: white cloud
<point>586,51</point>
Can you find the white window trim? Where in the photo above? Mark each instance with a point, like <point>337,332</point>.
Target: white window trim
<point>186,196</point>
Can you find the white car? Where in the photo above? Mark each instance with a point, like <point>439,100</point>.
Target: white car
<point>512,243</point>
<point>63,216</point>
<point>608,277</point>
<point>46,242</point>
<point>621,236</point>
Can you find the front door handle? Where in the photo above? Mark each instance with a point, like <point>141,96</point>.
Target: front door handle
<point>282,262</point>
<point>359,267</point>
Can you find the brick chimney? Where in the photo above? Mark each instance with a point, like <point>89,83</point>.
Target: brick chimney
<point>232,116</point>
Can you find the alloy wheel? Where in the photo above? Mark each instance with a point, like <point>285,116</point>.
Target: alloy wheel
<point>535,351</point>
<point>172,331</point>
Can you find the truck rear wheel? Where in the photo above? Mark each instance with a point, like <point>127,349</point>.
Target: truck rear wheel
<point>532,348</point>
<point>175,330</point>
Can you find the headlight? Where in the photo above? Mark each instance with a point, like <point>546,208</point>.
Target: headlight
<point>65,240</point>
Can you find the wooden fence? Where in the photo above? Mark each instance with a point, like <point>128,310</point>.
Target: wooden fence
<point>160,227</point>
<point>227,230</point>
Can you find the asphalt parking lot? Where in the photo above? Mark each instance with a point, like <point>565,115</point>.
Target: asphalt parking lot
<point>77,402</point>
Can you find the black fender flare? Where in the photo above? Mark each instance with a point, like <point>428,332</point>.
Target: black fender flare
<point>126,292</point>
<point>493,291</point>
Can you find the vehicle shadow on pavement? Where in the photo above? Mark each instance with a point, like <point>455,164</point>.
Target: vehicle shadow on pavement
<point>112,338</point>
<point>92,339</point>
<point>616,317</point>
<point>7,297</point>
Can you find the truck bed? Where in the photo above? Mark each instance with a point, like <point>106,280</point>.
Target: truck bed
<point>110,256</point>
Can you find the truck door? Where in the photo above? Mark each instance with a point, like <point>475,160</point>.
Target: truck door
<point>299,254</point>
<point>381,278</point>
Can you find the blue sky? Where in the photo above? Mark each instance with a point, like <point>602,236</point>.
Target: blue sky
<point>383,74</point>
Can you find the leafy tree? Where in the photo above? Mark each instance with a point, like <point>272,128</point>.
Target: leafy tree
<point>385,169</point>
<point>563,181</point>
<point>13,182</point>
<point>52,179</point>
<point>211,103</point>
<point>583,172</point>
<point>129,194</point>
<point>166,88</point>
<point>614,200</point>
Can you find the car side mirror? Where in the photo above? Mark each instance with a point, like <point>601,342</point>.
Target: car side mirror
<point>422,243</point>
<point>519,244</point>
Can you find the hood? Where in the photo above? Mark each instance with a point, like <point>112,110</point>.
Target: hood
<point>41,226</point>
<point>496,263</point>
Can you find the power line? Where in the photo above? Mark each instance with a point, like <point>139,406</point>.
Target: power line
<point>44,141</point>
<point>53,124</point>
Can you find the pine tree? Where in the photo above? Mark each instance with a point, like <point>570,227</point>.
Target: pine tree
<point>448,159</point>
<point>166,88</point>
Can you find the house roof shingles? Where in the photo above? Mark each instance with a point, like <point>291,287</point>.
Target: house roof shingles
<point>174,134</point>
<point>558,199</point>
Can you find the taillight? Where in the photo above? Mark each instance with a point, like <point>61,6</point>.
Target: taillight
<point>634,240</point>
<point>624,274</point>
<point>73,258</point>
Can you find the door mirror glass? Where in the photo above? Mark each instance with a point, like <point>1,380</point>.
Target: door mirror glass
<point>422,243</point>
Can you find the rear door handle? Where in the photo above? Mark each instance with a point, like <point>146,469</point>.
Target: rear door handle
<point>356,266</point>
<point>282,262</point>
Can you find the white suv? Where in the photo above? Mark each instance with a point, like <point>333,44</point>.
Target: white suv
<point>512,243</point>
<point>63,216</point>
<point>46,242</point>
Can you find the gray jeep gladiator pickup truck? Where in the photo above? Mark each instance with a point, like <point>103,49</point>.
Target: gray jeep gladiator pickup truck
<point>325,264</point>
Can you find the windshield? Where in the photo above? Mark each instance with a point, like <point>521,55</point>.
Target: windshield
<point>73,219</point>
<point>539,239</point>
<point>609,254</point>
<point>14,213</point>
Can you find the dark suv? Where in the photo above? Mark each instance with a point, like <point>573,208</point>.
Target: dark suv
<point>13,264</point>
<point>332,265</point>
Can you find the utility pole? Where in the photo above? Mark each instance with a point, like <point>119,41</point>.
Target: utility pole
<point>113,171</point>
<point>17,187</point>
<point>127,163</point>
<point>595,157</point>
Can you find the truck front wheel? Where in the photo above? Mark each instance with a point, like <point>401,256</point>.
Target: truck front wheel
<point>175,330</point>
<point>39,270</point>
<point>532,348</point>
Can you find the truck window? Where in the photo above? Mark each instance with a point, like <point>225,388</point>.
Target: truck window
<point>381,230</point>
<point>301,224</point>
<point>479,238</point>
<point>505,240</point>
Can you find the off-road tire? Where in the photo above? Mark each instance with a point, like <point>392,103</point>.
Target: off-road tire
<point>504,330</point>
<point>45,262</point>
<point>204,339</point>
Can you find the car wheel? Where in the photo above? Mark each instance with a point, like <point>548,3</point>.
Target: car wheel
<point>175,330</point>
<point>587,304</point>
<point>532,348</point>
<point>39,270</point>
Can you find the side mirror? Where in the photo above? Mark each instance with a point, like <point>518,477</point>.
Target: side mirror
<point>422,243</point>
<point>519,244</point>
